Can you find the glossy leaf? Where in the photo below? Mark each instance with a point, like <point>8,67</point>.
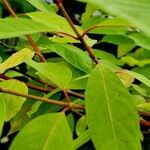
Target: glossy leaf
<point>58,73</point>
<point>16,59</point>
<point>47,132</point>
<point>127,10</point>
<point>13,103</point>
<point>111,115</point>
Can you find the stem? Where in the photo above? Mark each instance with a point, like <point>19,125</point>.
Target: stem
<point>103,26</point>
<point>33,44</point>
<point>38,88</point>
<point>80,37</point>
<point>145,122</point>
<point>73,106</point>
<point>63,33</point>
<point>75,94</point>
<point>67,96</point>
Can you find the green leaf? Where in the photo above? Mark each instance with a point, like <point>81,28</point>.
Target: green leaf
<point>58,73</point>
<point>13,103</point>
<point>81,125</point>
<point>41,5</point>
<point>143,70</point>
<point>16,59</point>
<point>108,56</point>
<point>139,77</point>
<point>126,79</point>
<point>58,24</point>
<point>125,44</point>
<point>127,10</point>
<point>2,113</point>
<point>20,27</point>
<point>47,132</point>
<point>140,39</point>
<point>143,107</point>
<point>113,26</point>
<point>71,54</point>
<point>113,123</point>
<point>82,139</point>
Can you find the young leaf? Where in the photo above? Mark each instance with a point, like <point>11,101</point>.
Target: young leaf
<point>47,132</point>
<point>13,103</point>
<point>58,73</point>
<point>2,113</point>
<point>16,59</point>
<point>111,114</point>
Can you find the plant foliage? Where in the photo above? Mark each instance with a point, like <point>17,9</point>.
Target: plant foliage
<point>67,85</point>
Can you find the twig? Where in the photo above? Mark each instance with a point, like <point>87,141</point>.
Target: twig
<point>80,37</point>
<point>145,122</point>
<point>72,106</point>
<point>33,44</point>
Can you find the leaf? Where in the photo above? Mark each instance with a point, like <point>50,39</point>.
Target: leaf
<point>143,107</point>
<point>20,27</point>
<point>58,73</point>
<point>41,5</point>
<point>82,139</point>
<point>47,132</point>
<point>140,39</point>
<point>126,79</point>
<point>13,103</point>
<point>139,77</point>
<point>127,10</point>
<point>111,115</point>
<point>2,114</point>
<point>111,26</point>
<point>81,125</point>
<point>71,54</point>
<point>125,44</point>
<point>58,24</point>
<point>16,59</point>
<point>143,70</point>
<point>108,56</point>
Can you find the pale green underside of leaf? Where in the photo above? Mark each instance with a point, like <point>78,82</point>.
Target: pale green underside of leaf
<point>47,132</point>
<point>58,73</point>
<point>13,103</point>
<point>71,54</point>
<point>113,123</point>
<point>16,59</point>
<point>127,10</point>
<point>2,113</point>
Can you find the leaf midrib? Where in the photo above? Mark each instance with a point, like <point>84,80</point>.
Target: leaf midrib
<point>108,105</point>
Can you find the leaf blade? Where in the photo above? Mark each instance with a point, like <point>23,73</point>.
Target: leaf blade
<point>109,130</point>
